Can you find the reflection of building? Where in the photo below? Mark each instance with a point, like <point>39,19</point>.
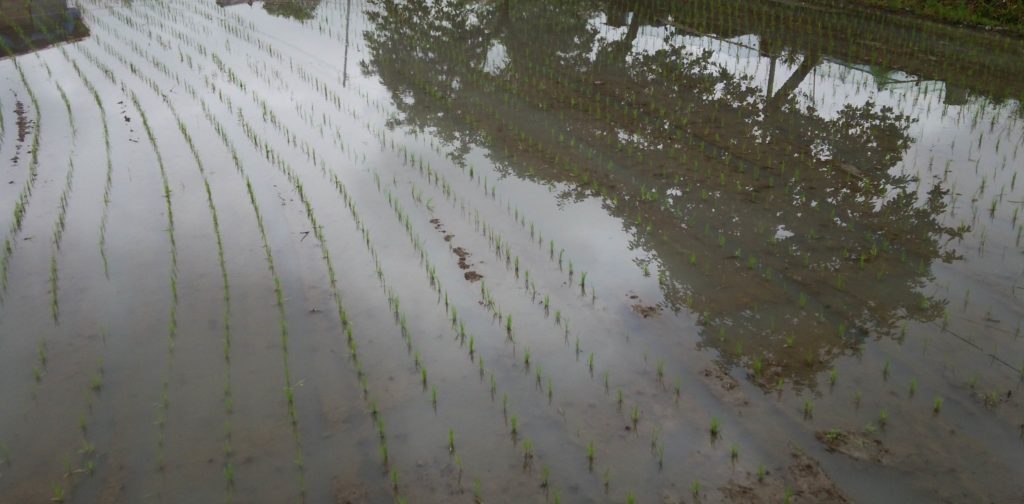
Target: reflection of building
<point>30,25</point>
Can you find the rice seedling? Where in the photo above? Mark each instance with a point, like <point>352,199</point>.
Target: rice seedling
<point>715,429</point>
<point>937,405</point>
<point>58,493</point>
<point>527,452</point>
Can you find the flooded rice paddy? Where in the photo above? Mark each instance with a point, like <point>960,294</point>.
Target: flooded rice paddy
<point>508,251</point>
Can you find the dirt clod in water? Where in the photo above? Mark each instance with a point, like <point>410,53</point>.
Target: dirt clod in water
<point>22,121</point>
<point>724,387</point>
<point>645,311</point>
<point>811,481</point>
<point>852,444</point>
<point>803,482</point>
<point>462,253</point>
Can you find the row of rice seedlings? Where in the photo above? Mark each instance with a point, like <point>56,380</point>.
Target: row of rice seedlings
<point>502,247</point>
<point>502,250</point>
<point>172,323</point>
<point>63,489</point>
<point>109,178</point>
<point>215,221</point>
<point>25,194</point>
<point>58,235</point>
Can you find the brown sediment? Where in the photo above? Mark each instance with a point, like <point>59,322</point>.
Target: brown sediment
<point>852,444</point>
<point>645,311</point>
<point>724,387</point>
<point>803,482</point>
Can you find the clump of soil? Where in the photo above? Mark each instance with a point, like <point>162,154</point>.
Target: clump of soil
<point>22,121</point>
<point>645,311</point>
<point>852,444</point>
<point>811,481</point>
<point>992,399</point>
<point>24,125</point>
<point>803,482</point>
<point>463,254</point>
<point>724,387</point>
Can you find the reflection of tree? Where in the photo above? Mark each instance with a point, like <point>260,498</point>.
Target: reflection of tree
<point>782,228</point>
<point>295,9</point>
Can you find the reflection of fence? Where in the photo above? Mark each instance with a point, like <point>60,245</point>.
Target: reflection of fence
<point>27,25</point>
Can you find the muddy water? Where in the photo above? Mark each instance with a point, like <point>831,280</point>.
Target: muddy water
<point>363,251</point>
